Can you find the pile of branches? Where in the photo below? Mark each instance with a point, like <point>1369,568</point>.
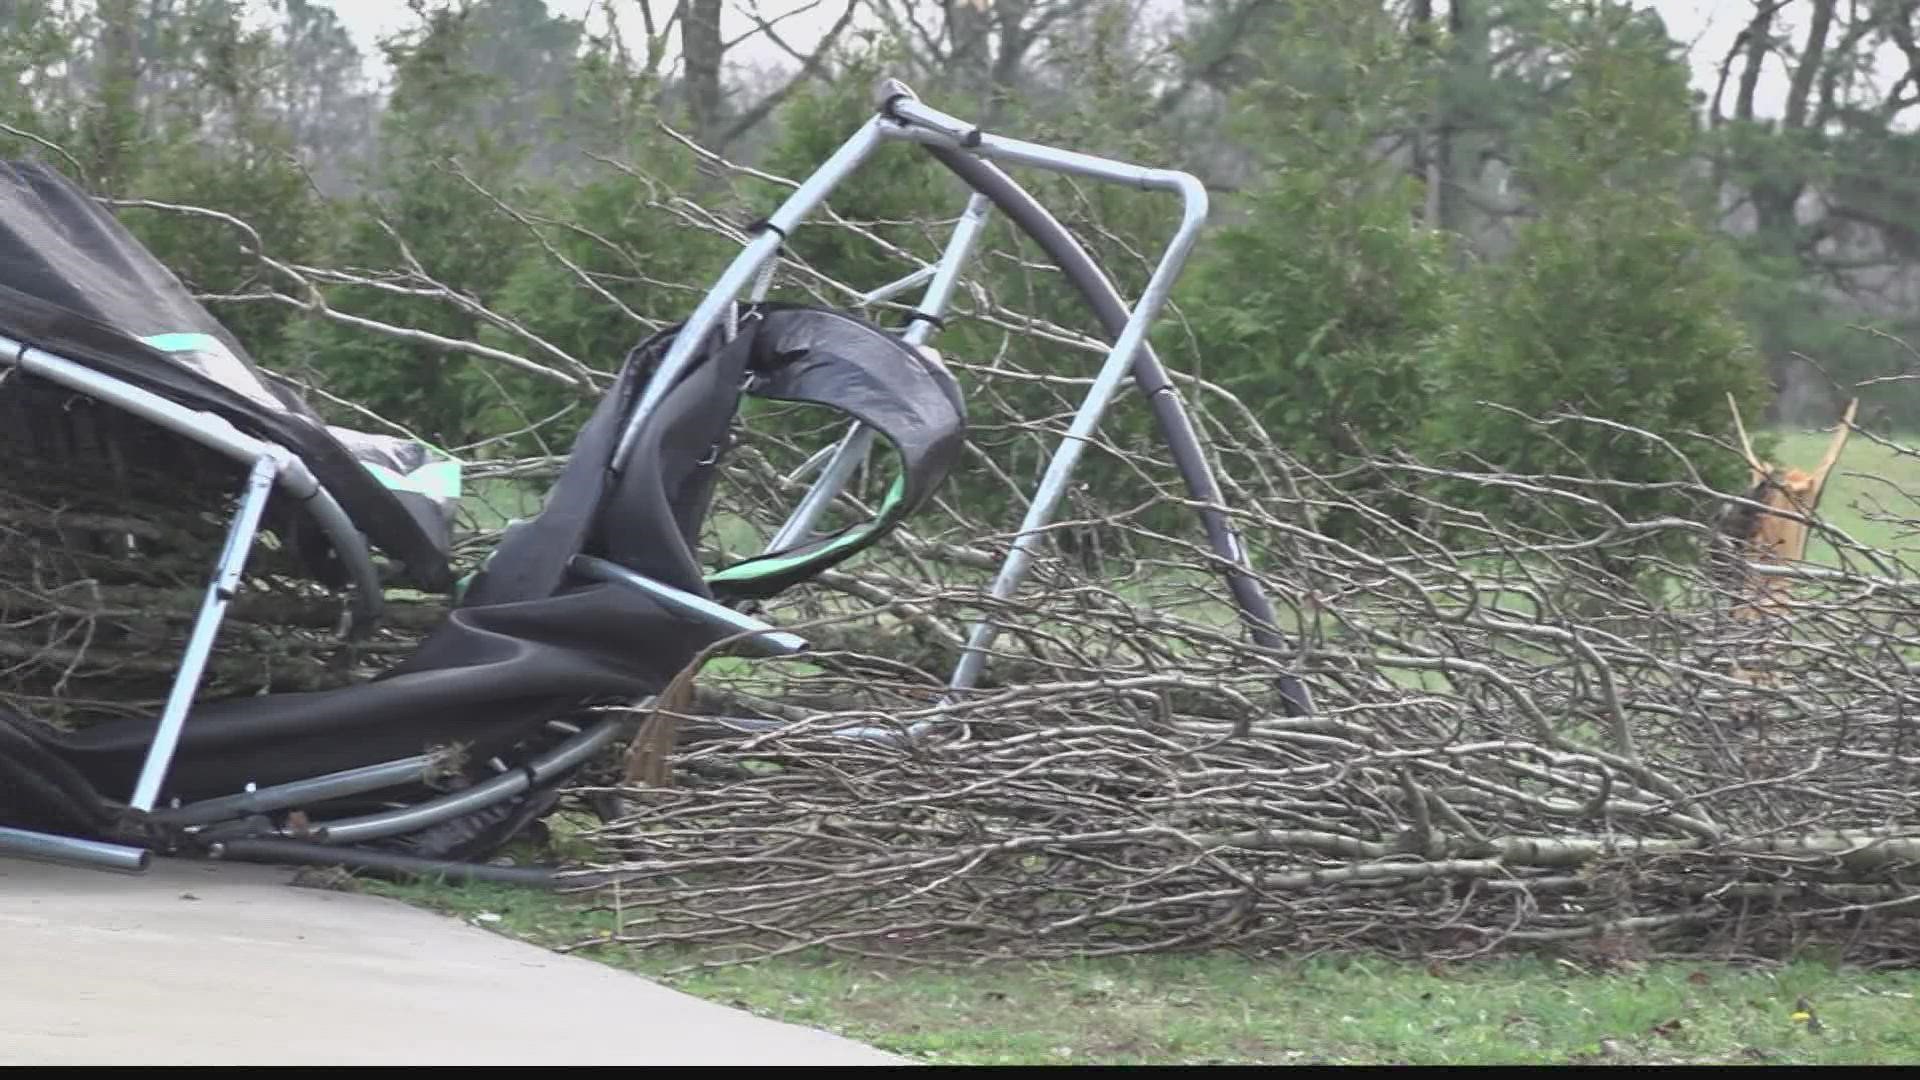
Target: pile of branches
<point>1510,746</point>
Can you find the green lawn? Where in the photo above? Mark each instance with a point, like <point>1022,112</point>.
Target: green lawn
<point>1222,1008</point>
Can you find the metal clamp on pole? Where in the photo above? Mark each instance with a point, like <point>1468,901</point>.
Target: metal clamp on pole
<point>898,102</point>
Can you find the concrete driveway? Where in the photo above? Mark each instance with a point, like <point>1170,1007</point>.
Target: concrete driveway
<point>196,964</point>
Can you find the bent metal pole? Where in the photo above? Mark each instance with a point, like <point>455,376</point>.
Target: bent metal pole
<point>1151,379</point>
<point>943,278</point>
<point>940,132</point>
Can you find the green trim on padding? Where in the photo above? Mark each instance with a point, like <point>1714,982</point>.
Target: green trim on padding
<point>438,479</point>
<point>185,342</point>
<point>771,565</point>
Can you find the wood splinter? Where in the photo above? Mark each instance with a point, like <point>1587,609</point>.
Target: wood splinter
<point>1772,536</point>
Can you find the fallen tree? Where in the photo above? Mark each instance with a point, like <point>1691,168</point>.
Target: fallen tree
<point>1486,769</point>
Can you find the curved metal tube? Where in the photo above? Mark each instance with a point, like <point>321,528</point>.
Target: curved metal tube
<point>46,847</point>
<point>312,789</point>
<point>369,596</point>
<point>1256,609</point>
<point>508,784</point>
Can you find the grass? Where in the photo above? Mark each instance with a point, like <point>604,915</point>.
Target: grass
<point>1222,1008</point>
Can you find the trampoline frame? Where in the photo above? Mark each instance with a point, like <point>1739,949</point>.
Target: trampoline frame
<point>234,825</point>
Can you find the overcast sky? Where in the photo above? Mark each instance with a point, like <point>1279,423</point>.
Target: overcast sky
<point>1707,27</point>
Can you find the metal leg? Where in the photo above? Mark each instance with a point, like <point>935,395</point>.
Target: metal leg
<point>848,454</point>
<point>1053,484</point>
<point>1150,378</point>
<point>45,847</point>
<point>852,450</point>
<point>220,590</point>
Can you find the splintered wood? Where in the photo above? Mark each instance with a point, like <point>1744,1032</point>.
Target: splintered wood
<point>1778,535</point>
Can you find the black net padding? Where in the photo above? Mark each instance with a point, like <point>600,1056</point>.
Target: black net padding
<point>829,358</point>
<point>532,557</point>
<point>648,514</point>
<point>75,283</point>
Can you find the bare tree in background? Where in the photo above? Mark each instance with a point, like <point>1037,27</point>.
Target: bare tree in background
<point>704,50</point>
<point>1824,189</point>
<point>981,47</point>
<point>113,122</point>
